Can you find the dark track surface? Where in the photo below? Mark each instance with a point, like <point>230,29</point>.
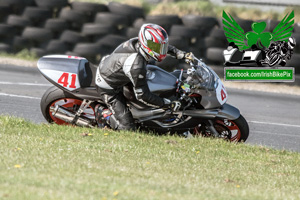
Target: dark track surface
<point>274,119</point>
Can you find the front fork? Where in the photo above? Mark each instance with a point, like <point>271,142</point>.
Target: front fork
<point>212,129</point>
<point>209,124</point>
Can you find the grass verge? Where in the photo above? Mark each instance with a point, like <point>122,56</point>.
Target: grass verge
<point>204,8</point>
<point>59,162</point>
<point>24,54</point>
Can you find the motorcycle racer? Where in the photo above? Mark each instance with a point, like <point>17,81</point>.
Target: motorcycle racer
<point>127,64</point>
<point>286,48</point>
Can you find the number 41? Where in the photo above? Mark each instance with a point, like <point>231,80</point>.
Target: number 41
<point>64,80</point>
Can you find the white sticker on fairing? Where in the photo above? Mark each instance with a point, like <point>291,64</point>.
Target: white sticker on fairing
<point>67,80</point>
<point>64,56</point>
<point>221,93</point>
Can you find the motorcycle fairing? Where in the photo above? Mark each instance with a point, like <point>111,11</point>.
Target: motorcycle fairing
<point>159,80</point>
<point>221,93</point>
<point>213,98</point>
<point>62,70</point>
<point>226,111</point>
<point>193,118</point>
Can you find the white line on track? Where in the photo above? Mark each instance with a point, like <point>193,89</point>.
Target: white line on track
<point>278,124</point>
<point>277,134</point>
<point>18,96</point>
<point>25,84</point>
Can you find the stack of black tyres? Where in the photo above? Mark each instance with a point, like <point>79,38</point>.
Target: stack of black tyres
<point>10,23</point>
<point>59,27</point>
<point>93,30</point>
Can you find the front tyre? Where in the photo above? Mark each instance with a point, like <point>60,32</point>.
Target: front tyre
<point>55,96</point>
<point>274,60</point>
<point>233,130</point>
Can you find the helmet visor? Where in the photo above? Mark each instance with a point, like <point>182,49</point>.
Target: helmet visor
<point>161,49</point>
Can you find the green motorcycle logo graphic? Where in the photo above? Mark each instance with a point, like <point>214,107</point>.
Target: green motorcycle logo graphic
<point>266,48</point>
<point>234,32</point>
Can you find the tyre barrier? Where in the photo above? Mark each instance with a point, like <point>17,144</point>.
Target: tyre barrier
<point>37,15</point>
<point>94,30</point>
<point>38,35</point>
<point>51,4</point>
<point>71,37</point>
<point>56,25</point>
<point>112,19</point>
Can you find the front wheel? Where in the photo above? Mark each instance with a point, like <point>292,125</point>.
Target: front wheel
<point>233,130</point>
<point>274,60</point>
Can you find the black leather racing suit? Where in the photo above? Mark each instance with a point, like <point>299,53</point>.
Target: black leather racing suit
<point>126,64</point>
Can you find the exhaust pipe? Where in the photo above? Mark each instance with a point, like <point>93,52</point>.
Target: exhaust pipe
<point>67,116</point>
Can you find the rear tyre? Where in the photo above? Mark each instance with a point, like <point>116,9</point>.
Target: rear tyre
<point>55,96</point>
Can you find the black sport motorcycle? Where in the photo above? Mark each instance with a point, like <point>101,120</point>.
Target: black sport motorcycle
<point>202,95</point>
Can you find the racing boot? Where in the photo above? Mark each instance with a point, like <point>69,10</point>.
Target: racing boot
<point>102,116</point>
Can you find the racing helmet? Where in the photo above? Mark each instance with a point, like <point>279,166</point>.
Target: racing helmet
<point>154,41</point>
<point>291,43</point>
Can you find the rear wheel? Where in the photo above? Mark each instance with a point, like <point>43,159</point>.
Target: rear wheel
<point>233,130</point>
<point>55,96</point>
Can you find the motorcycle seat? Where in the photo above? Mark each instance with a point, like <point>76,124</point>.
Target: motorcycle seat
<point>87,73</point>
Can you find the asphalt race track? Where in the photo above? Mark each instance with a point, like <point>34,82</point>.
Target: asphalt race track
<point>274,119</point>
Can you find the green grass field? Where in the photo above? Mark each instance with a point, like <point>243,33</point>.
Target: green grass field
<point>63,162</point>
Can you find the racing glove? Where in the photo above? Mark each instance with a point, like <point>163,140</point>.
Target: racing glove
<point>189,57</point>
<point>180,54</point>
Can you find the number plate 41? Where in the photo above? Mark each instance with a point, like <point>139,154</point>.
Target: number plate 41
<point>69,81</point>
